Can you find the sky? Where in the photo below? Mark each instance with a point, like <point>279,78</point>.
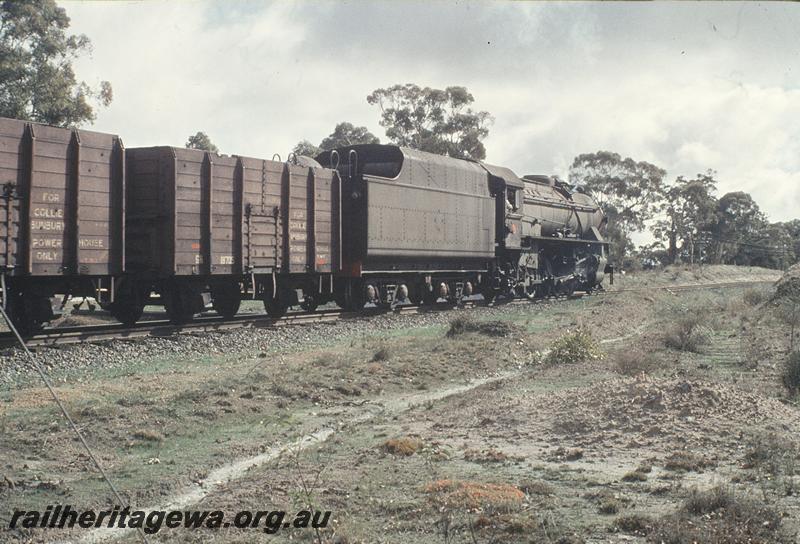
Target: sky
<point>686,86</point>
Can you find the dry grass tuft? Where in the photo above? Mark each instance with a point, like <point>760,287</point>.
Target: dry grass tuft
<point>147,435</point>
<point>685,462</point>
<point>717,515</point>
<point>489,455</point>
<point>635,476</point>
<point>537,487</point>
<point>609,506</point>
<point>633,363</point>
<point>753,297</point>
<point>791,373</point>
<point>475,495</point>
<point>463,325</point>
<point>404,446</point>
<point>633,524</point>
<point>689,333</point>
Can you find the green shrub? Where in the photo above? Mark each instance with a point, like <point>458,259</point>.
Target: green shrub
<point>574,347</point>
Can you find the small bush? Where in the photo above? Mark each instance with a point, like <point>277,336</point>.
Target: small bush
<point>753,297</point>
<point>463,325</point>
<point>574,347</point>
<point>633,363</point>
<point>404,446</point>
<point>688,333</point>
<point>791,373</point>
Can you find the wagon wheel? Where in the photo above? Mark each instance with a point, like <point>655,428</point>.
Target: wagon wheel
<point>178,306</point>
<point>128,306</point>
<point>226,299</point>
<point>275,306</point>
<point>22,312</point>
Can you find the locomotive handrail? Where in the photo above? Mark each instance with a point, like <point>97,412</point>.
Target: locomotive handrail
<point>335,164</point>
<point>352,159</point>
<point>276,155</point>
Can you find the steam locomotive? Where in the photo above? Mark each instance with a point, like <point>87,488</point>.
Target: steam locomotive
<point>80,215</point>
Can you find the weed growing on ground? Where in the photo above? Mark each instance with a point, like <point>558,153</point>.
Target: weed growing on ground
<point>574,347</point>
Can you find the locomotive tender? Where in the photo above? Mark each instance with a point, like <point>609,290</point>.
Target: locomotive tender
<point>81,215</point>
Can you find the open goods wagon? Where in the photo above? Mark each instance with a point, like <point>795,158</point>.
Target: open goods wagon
<point>61,217</point>
<point>202,225</point>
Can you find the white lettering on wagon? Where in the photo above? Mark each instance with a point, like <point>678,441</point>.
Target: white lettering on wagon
<point>91,243</point>
<point>38,224</point>
<point>49,213</point>
<point>52,243</point>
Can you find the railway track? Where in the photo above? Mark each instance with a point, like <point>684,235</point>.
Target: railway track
<point>204,324</point>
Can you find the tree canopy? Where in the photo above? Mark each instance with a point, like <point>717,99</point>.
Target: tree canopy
<point>690,208</point>
<point>434,120</point>
<point>628,191</point>
<point>344,134</point>
<point>37,81</point>
<point>201,141</point>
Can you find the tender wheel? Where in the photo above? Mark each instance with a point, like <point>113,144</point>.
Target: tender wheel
<point>226,299</point>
